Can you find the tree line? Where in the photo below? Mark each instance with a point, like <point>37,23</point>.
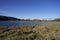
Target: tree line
<point>7,18</point>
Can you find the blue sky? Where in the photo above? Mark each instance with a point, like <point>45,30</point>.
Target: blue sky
<point>30,9</point>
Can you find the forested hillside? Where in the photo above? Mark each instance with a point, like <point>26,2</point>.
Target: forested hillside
<point>7,18</point>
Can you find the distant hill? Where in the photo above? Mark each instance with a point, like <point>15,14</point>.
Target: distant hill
<point>7,18</point>
<point>57,19</point>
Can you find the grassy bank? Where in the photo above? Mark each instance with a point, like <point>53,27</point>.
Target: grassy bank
<point>34,32</point>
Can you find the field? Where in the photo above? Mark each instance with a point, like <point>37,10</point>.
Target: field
<point>31,32</point>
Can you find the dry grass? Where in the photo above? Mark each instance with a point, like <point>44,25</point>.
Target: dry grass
<point>35,32</point>
<point>48,31</point>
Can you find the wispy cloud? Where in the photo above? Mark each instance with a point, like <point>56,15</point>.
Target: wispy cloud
<point>3,12</point>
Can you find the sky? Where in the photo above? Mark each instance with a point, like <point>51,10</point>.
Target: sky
<point>30,9</point>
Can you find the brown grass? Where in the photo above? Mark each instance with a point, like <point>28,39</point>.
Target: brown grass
<point>34,32</point>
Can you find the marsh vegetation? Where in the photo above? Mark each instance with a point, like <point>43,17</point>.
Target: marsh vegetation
<point>34,32</point>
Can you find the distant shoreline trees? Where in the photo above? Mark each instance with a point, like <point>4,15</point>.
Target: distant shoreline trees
<point>7,18</point>
<point>57,19</point>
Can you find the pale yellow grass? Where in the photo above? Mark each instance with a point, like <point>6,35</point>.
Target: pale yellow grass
<point>35,32</point>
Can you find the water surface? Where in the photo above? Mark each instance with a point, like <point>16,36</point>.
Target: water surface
<point>17,23</point>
